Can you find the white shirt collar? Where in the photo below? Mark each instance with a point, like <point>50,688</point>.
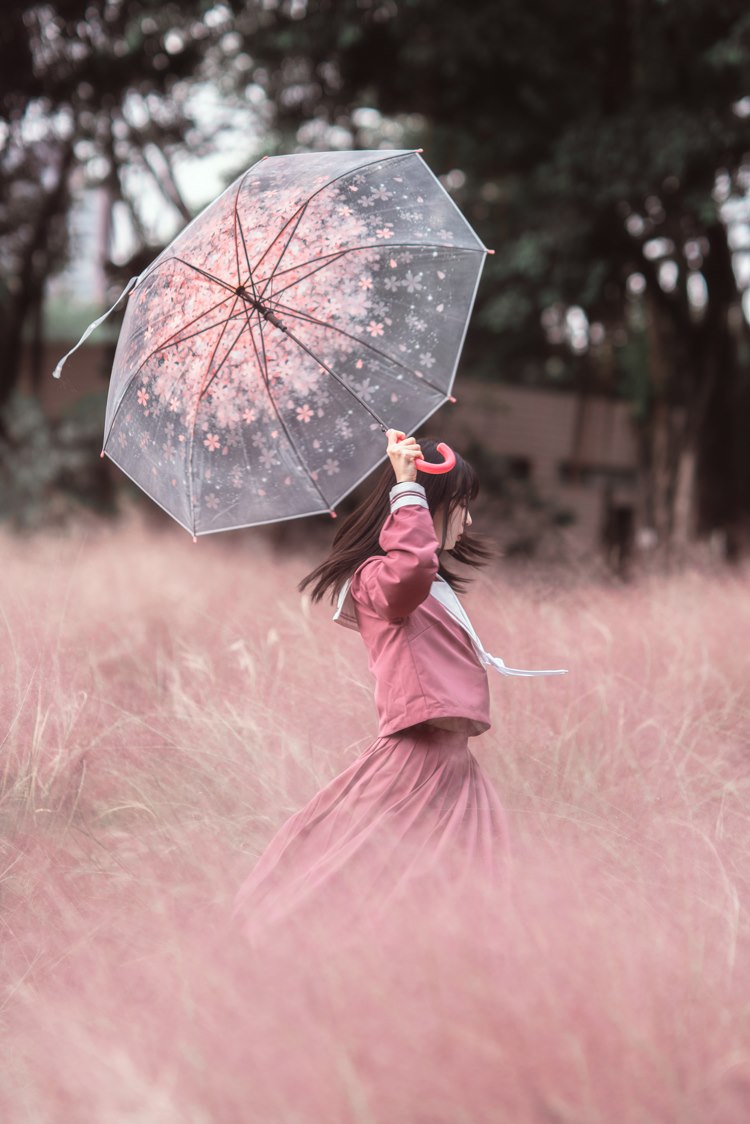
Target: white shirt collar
<point>346,615</point>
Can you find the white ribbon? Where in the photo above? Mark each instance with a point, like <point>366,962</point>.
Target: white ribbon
<point>345,615</point>
<point>92,327</point>
<point>448,598</point>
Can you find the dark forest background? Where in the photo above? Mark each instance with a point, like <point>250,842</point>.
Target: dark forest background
<point>602,149</point>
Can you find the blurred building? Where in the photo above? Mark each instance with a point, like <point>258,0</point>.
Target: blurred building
<point>560,460</point>
<point>552,463</point>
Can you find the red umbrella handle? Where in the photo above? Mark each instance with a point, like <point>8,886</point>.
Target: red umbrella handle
<point>447,463</point>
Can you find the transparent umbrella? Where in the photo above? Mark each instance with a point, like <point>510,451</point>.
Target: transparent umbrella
<point>320,300</point>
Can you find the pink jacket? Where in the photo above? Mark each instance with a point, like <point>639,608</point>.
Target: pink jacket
<point>424,663</point>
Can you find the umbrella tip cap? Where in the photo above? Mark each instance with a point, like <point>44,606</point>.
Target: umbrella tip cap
<point>490,251</point>
<point>452,400</point>
<point>332,514</point>
<point>194,539</point>
<point>101,455</point>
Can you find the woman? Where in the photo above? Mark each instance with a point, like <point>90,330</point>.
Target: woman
<point>414,814</point>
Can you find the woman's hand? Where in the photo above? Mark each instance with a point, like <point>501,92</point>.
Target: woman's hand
<point>403,453</point>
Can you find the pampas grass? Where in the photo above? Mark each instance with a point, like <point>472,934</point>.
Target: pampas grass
<point>166,706</point>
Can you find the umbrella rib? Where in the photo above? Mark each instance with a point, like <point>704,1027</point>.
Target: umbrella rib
<point>236,220</point>
<point>276,237</point>
<point>262,364</point>
<point>272,274</point>
<point>238,223</point>
<point>207,275</point>
<point>197,406</point>
<point>324,258</point>
<point>166,398</point>
<point>327,259</point>
<point>336,376</point>
<point>197,268</point>
<point>170,342</point>
<point>199,332</point>
<point>229,351</point>
<point>363,343</point>
<point>303,206</point>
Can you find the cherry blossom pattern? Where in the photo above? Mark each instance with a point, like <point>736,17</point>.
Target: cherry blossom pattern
<point>364,260</point>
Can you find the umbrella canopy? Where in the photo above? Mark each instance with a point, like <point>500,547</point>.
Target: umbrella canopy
<point>321,299</point>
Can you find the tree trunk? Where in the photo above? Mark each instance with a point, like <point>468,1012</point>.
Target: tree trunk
<point>719,424</point>
<point>661,434</point>
<point>27,294</point>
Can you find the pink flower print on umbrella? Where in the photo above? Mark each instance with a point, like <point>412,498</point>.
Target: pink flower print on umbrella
<point>380,195</point>
<point>365,389</point>
<point>267,313</point>
<point>267,459</point>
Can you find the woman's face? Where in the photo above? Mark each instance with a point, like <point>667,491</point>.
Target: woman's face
<point>458,519</point>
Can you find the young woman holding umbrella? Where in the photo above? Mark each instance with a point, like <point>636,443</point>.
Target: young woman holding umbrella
<point>415,813</point>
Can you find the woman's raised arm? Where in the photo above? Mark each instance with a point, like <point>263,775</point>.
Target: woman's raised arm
<point>397,582</point>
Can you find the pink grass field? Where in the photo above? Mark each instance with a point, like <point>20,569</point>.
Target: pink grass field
<point>167,705</point>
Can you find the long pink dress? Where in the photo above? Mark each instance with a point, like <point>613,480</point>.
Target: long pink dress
<point>414,818</point>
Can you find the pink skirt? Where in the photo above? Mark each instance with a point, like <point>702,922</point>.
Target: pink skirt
<point>413,819</point>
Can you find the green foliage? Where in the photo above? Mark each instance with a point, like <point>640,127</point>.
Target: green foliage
<point>51,470</point>
<point>582,136</point>
<point>633,382</point>
<point>564,117</point>
<point>69,72</point>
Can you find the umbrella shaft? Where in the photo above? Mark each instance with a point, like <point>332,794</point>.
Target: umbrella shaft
<point>272,318</point>
<point>264,311</point>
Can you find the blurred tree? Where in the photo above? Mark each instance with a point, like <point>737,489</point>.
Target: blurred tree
<point>600,149</point>
<point>87,88</point>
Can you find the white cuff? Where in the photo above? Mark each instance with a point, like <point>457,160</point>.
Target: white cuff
<point>408,493</point>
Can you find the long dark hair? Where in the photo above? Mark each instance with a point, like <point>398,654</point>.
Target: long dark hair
<point>357,537</point>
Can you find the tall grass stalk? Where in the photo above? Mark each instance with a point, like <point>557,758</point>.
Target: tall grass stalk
<point>165,706</point>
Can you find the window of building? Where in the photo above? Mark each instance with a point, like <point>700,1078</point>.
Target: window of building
<point>596,475</point>
<point>517,468</point>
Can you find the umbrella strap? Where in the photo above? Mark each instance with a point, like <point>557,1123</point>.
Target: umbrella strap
<point>92,327</point>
